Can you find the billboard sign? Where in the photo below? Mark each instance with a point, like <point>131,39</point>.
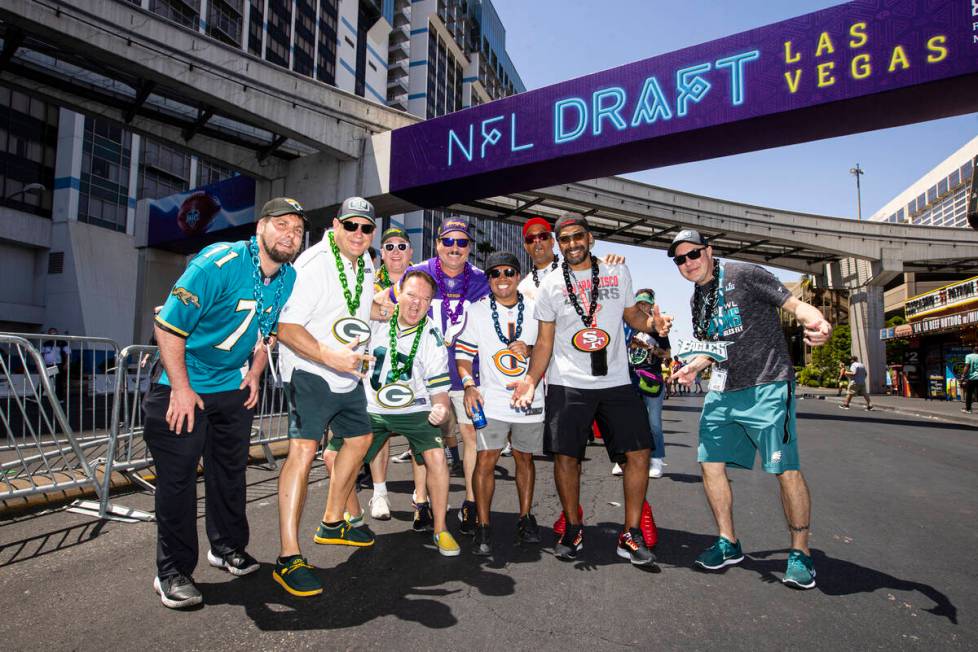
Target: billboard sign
<point>855,67</point>
<point>195,214</point>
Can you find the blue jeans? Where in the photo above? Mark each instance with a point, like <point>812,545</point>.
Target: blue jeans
<point>654,407</point>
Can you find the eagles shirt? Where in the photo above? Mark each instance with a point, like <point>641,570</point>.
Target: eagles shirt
<point>212,305</point>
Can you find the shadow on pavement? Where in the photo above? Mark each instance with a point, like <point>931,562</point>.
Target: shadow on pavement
<point>49,542</point>
<point>835,577</point>
<point>401,575</point>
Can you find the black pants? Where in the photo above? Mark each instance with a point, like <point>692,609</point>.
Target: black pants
<point>221,434</point>
<point>969,393</point>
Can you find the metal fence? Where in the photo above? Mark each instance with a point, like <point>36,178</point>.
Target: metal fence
<point>45,449</point>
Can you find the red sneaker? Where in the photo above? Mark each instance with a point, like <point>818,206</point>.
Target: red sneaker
<point>560,525</point>
<point>649,532</point>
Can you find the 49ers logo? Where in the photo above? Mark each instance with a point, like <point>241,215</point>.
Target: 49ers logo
<point>509,363</point>
<point>349,328</point>
<point>590,340</point>
<point>395,396</point>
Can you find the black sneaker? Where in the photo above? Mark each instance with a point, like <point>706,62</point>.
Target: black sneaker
<point>527,530</point>
<point>177,591</point>
<point>631,546</point>
<point>423,521</point>
<point>483,541</point>
<point>466,516</point>
<point>570,543</point>
<point>236,563</point>
<point>457,469</point>
<point>364,479</point>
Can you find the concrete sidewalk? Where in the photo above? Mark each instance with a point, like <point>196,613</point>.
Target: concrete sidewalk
<point>949,411</point>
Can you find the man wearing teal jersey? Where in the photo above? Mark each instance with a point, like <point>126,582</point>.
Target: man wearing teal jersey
<point>220,314</point>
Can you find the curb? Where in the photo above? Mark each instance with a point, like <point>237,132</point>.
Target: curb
<point>909,411</point>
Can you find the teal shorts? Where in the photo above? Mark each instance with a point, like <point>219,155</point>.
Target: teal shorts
<point>313,407</point>
<point>421,435</point>
<point>737,425</point>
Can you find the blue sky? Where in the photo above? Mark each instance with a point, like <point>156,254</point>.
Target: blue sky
<point>553,40</point>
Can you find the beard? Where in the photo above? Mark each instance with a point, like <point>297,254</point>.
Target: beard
<point>274,252</point>
<point>576,256</point>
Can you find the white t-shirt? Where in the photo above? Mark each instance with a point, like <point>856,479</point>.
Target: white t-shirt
<point>498,365</point>
<point>428,373</point>
<point>317,303</point>
<point>570,367</point>
<point>529,287</point>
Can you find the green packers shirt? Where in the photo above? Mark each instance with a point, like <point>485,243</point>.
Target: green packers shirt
<point>412,390</point>
<point>212,306</point>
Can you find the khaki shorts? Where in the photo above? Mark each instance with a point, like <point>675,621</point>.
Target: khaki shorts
<point>857,389</point>
<point>458,403</point>
<point>526,437</point>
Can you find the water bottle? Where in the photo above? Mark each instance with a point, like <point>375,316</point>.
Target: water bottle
<point>478,417</point>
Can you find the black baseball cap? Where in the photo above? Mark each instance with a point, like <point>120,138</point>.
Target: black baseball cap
<point>501,258</point>
<point>571,219</point>
<point>283,206</point>
<point>686,235</point>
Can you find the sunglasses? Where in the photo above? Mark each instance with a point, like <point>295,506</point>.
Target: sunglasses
<point>539,237</point>
<point>579,236</point>
<point>461,243</point>
<point>509,272</point>
<point>400,246</point>
<point>692,255</point>
<point>351,227</point>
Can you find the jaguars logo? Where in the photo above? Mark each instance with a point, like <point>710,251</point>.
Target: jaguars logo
<point>509,363</point>
<point>395,395</point>
<point>186,296</point>
<point>349,328</point>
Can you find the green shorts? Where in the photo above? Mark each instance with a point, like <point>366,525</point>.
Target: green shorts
<point>313,407</point>
<point>421,435</point>
<point>737,425</point>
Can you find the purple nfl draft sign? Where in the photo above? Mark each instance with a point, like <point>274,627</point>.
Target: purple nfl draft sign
<point>860,66</point>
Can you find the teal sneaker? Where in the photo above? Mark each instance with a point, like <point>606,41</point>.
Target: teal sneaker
<point>295,575</point>
<point>801,571</point>
<point>720,554</point>
<point>355,521</point>
<point>344,534</point>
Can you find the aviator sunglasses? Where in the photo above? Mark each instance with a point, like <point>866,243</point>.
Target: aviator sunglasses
<point>400,246</point>
<point>351,227</point>
<point>692,255</point>
<point>462,243</point>
<point>537,237</point>
<point>578,236</point>
<point>509,272</point>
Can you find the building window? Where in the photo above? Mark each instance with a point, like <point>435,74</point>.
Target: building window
<point>184,12</point>
<point>28,142</point>
<point>326,58</point>
<point>162,171</point>
<point>209,172</point>
<point>224,19</point>
<point>304,48</point>
<point>279,32</point>
<point>256,27</point>
<point>104,186</point>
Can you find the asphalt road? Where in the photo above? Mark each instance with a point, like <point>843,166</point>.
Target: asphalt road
<point>894,542</point>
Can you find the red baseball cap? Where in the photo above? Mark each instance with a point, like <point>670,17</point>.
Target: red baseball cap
<point>536,220</point>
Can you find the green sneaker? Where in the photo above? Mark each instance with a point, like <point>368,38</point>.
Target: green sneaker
<point>355,521</point>
<point>720,554</point>
<point>344,534</point>
<point>801,571</point>
<point>295,576</point>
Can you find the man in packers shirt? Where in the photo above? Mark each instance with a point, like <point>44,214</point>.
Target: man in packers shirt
<point>750,407</point>
<point>580,309</point>
<point>324,331</point>
<point>459,285</point>
<point>500,330</point>
<point>407,394</point>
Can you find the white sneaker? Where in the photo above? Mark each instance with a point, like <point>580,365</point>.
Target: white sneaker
<point>380,508</point>
<point>616,470</point>
<point>403,458</point>
<point>655,468</point>
<point>508,451</point>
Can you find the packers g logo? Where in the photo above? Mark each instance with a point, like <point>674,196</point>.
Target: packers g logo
<point>395,396</point>
<point>349,328</point>
<point>509,363</point>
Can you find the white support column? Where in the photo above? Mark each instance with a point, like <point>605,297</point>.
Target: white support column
<point>246,26</point>
<point>137,143</point>
<point>202,23</point>
<point>68,165</point>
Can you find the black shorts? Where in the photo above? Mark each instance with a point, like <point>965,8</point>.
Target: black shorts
<point>619,412</point>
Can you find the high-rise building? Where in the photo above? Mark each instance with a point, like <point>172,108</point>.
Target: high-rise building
<point>69,183</point>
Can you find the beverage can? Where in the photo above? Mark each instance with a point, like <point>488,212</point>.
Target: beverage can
<point>478,417</point>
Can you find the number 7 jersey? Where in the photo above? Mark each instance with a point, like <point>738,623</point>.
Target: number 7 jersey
<point>212,306</point>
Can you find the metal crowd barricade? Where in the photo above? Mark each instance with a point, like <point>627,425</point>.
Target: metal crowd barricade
<point>271,422</point>
<point>40,452</point>
<point>82,371</point>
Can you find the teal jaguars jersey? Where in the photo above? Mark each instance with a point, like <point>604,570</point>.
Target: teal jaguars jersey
<point>212,305</point>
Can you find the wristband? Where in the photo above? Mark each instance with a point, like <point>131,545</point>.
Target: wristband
<point>467,379</point>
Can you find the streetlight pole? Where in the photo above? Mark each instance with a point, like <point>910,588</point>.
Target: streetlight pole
<point>857,172</point>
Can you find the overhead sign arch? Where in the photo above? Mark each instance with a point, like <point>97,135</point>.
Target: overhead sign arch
<point>864,65</point>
